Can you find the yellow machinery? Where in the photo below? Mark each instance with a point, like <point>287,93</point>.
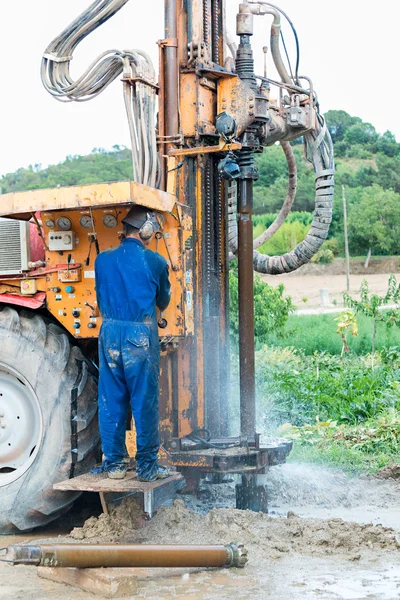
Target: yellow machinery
<point>196,168</point>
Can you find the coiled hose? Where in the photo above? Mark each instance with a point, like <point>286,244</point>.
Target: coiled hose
<point>139,97</point>
<point>320,152</point>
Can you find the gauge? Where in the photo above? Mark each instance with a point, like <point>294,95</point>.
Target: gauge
<point>110,221</point>
<point>64,223</point>
<point>86,222</point>
<point>50,223</point>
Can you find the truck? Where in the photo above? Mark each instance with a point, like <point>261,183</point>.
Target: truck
<point>195,165</point>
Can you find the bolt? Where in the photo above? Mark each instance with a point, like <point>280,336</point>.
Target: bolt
<point>3,425</point>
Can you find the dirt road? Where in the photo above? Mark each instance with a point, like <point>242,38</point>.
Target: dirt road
<point>296,556</point>
<point>305,290</point>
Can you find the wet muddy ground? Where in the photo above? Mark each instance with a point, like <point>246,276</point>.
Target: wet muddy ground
<point>316,542</point>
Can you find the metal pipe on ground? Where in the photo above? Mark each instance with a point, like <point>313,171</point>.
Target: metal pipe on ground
<point>84,556</point>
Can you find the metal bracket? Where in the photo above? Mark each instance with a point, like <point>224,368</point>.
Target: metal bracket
<point>168,42</point>
<point>223,146</point>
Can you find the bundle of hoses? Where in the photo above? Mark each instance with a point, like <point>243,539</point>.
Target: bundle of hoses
<point>139,84</point>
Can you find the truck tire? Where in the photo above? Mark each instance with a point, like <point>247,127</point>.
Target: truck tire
<point>48,419</point>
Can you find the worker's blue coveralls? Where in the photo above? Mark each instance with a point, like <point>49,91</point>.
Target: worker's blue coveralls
<point>130,282</point>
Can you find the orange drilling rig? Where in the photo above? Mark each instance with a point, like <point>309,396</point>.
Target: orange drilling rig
<point>194,164</point>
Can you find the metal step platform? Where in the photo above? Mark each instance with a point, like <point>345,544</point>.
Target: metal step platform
<point>152,493</point>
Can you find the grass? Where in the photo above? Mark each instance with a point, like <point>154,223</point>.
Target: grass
<point>313,333</point>
<point>350,460</point>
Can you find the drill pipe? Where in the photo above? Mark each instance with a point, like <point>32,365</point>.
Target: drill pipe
<point>84,556</point>
<point>171,72</point>
<point>246,309</point>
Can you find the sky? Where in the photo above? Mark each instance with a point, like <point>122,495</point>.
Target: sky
<point>349,48</point>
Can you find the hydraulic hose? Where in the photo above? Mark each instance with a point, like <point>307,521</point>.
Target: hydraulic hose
<point>320,152</point>
<point>139,82</point>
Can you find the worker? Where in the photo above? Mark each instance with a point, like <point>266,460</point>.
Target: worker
<point>131,281</point>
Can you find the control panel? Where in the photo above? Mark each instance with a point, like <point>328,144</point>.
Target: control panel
<point>75,237</point>
<point>61,240</point>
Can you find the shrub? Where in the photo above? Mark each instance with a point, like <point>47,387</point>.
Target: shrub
<point>285,239</point>
<point>333,245</point>
<point>296,388</point>
<point>271,308</point>
<point>323,257</point>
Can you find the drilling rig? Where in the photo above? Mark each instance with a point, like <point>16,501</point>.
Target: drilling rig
<point>194,164</point>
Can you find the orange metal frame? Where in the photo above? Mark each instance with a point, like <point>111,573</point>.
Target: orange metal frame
<point>195,338</point>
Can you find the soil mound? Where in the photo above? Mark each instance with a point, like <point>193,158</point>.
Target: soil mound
<point>262,535</point>
<point>391,471</point>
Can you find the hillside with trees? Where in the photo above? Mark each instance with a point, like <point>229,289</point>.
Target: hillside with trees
<point>367,163</point>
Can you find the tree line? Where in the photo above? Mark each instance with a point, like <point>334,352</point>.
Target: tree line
<point>367,164</point>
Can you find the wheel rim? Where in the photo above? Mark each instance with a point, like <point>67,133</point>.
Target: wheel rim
<point>21,425</point>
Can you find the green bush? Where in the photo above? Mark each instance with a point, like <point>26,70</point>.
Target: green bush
<point>271,308</point>
<point>357,151</point>
<point>333,245</point>
<point>285,239</point>
<point>296,388</point>
<point>323,257</point>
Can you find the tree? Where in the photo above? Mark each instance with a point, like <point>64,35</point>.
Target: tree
<point>347,323</point>
<point>387,144</point>
<point>374,220</point>
<point>271,165</point>
<point>371,306</point>
<point>338,122</point>
<point>360,133</point>
<point>388,175</point>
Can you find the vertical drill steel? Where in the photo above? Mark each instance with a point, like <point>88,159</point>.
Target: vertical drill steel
<point>246,308</point>
<point>245,70</point>
<point>171,72</point>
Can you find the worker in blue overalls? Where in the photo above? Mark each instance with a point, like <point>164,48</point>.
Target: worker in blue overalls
<point>130,282</point>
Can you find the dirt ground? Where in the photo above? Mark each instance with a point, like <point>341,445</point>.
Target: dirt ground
<point>305,290</point>
<point>317,541</point>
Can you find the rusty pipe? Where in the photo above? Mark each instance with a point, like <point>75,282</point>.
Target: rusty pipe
<point>84,556</point>
<point>246,308</point>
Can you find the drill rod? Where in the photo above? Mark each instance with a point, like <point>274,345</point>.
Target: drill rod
<point>85,556</point>
<point>246,308</point>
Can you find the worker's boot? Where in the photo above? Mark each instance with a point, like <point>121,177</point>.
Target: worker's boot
<point>117,472</point>
<point>160,473</point>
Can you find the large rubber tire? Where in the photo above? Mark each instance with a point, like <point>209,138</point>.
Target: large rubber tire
<point>62,383</point>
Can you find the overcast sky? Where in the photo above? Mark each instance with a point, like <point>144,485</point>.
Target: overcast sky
<point>348,47</point>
